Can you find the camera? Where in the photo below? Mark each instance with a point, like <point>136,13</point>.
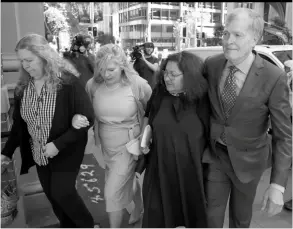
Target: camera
<point>136,52</point>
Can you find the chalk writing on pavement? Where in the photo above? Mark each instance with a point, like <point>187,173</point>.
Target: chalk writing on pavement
<point>88,182</point>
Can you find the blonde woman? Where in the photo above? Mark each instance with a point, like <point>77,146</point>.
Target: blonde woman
<point>46,98</point>
<point>119,96</point>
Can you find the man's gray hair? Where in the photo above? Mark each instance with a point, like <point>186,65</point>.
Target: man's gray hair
<point>257,24</point>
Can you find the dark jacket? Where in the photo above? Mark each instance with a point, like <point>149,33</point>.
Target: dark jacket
<point>71,99</point>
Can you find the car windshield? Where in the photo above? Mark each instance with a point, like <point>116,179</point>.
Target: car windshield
<point>283,55</point>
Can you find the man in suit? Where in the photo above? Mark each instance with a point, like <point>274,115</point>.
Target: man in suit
<point>245,91</point>
<point>289,70</point>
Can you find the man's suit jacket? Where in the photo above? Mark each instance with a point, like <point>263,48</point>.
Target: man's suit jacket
<point>264,96</point>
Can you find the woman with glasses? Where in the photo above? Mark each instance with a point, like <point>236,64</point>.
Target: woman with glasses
<point>173,191</point>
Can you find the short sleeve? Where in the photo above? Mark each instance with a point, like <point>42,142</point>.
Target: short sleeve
<point>155,60</point>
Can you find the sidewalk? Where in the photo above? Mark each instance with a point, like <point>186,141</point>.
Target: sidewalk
<point>259,219</point>
<point>90,185</point>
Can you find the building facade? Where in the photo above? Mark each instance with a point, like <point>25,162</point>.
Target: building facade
<point>153,21</point>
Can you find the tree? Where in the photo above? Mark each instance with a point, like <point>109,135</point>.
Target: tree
<point>218,31</point>
<point>55,19</point>
<point>280,24</point>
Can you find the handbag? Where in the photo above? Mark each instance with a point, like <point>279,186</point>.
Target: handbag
<point>133,147</point>
<point>9,193</point>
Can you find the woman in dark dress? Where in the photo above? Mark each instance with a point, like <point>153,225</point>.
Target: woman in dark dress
<point>178,113</point>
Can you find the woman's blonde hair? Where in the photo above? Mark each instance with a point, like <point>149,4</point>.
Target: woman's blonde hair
<point>113,52</point>
<point>53,63</point>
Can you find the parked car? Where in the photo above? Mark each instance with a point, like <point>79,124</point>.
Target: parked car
<point>276,54</point>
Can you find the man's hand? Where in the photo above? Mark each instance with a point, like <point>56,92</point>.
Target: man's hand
<point>3,157</point>
<point>273,201</point>
<point>142,55</point>
<point>4,162</point>
<point>50,150</point>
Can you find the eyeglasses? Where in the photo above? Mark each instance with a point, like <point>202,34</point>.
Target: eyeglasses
<point>171,75</point>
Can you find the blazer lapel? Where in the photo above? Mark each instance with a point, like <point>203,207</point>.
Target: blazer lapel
<point>218,71</point>
<point>249,84</point>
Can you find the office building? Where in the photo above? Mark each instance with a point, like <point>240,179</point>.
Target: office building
<point>153,21</point>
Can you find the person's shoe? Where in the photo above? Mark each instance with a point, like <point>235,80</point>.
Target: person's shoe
<point>288,205</point>
<point>97,225</point>
<point>134,219</point>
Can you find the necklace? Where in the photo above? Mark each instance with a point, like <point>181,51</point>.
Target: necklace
<point>111,89</point>
<point>177,93</point>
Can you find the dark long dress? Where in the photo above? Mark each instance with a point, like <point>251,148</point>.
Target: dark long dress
<point>173,190</point>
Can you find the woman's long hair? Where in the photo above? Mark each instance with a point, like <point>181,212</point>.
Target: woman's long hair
<point>195,85</point>
<point>53,63</point>
<point>113,52</point>
<point>83,64</point>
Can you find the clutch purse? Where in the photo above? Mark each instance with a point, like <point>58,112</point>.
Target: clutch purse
<point>133,147</point>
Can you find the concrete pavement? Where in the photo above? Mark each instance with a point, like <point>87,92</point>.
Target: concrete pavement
<point>90,186</point>
<point>259,219</point>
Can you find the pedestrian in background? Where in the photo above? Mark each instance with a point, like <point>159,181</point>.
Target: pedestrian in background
<point>246,92</point>
<point>47,97</point>
<point>119,97</point>
<point>178,113</point>
<point>81,60</point>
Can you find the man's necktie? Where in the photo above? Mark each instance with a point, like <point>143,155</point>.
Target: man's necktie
<point>228,96</point>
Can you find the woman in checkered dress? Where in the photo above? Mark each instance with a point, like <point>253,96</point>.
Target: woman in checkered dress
<point>46,98</point>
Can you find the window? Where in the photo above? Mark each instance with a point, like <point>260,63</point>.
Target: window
<point>217,5</point>
<point>165,13</point>
<point>156,28</point>
<point>174,14</point>
<point>216,17</point>
<point>133,3</point>
<point>283,55</point>
<point>143,11</point>
<point>201,5</point>
<point>156,13</point>
<point>208,5</point>
<point>249,5</point>
<point>174,3</point>
<point>169,29</point>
